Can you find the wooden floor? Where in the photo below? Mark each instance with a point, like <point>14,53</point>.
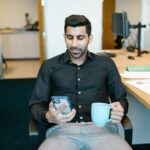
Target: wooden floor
<point>21,69</point>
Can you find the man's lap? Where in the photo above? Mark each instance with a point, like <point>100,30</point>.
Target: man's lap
<point>83,136</point>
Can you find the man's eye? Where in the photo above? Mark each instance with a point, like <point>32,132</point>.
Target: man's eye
<point>69,37</point>
<point>80,37</point>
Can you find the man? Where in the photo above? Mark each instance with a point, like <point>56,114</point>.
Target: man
<point>85,78</point>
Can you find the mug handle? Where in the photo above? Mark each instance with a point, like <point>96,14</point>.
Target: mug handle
<point>109,120</point>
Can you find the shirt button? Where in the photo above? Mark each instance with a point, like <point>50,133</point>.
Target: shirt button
<point>78,68</point>
<point>81,117</point>
<point>79,92</point>
<point>79,79</point>
<point>80,106</point>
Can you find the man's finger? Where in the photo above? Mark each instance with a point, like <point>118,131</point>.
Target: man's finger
<point>67,117</point>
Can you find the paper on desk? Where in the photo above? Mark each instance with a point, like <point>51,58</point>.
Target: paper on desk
<point>135,75</point>
<point>143,85</point>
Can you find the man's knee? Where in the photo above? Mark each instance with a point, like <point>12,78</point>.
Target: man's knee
<point>58,143</point>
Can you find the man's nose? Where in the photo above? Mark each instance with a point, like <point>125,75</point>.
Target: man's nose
<point>74,43</point>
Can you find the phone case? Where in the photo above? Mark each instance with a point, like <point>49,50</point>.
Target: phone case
<point>59,101</point>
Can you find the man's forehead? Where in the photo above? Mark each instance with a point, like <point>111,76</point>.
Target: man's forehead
<point>76,30</point>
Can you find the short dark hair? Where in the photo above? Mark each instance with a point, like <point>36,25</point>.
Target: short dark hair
<point>78,20</point>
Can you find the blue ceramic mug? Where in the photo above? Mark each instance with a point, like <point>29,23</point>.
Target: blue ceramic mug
<point>100,113</point>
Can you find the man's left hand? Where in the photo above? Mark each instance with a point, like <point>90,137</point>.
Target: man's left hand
<point>117,112</point>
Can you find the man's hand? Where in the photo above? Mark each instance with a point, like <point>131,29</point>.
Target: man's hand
<point>117,112</point>
<point>55,116</point>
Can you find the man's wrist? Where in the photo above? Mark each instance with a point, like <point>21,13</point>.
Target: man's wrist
<point>43,117</point>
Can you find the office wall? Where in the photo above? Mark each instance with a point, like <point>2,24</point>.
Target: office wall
<point>133,9</point>
<point>138,11</point>
<point>146,20</point>
<point>55,12</point>
<point>12,12</point>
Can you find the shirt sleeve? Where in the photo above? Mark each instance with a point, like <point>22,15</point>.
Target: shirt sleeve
<point>40,97</point>
<point>115,87</point>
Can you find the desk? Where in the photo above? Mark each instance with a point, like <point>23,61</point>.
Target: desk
<point>122,61</point>
<point>20,44</point>
<point>138,113</point>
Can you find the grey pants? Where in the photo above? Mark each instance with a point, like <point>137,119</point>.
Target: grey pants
<point>83,136</point>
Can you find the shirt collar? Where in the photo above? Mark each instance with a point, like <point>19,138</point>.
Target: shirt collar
<point>66,57</point>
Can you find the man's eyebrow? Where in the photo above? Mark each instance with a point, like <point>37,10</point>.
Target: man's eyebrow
<point>68,34</point>
<point>75,35</point>
<point>80,35</point>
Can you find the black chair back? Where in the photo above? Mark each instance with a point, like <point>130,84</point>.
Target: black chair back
<point>14,113</point>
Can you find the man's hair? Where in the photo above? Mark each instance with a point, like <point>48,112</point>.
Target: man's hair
<point>78,20</point>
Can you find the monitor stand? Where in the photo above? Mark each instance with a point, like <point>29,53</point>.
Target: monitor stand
<point>139,26</point>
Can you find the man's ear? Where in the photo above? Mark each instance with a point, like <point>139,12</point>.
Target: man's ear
<point>90,38</point>
<point>64,35</point>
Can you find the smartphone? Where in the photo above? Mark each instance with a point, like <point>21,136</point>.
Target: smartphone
<point>58,101</point>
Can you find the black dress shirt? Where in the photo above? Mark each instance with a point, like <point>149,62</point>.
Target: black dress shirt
<point>96,80</point>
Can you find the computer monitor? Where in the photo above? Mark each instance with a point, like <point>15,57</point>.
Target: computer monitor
<point>120,24</point>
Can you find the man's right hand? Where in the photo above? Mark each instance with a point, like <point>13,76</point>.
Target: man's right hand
<point>55,116</point>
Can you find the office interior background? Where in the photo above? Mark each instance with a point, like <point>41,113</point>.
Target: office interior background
<point>32,47</point>
<point>13,17</point>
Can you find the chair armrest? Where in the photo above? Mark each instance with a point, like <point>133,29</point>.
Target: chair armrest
<point>33,128</point>
<point>37,130</point>
<point>36,134</point>
<point>128,129</point>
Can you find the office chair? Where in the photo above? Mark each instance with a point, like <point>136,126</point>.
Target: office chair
<point>128,129</point>
<point>14,113</point>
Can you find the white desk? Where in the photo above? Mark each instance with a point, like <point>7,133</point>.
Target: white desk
<point>139,102</point>
<point>20,44</point>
